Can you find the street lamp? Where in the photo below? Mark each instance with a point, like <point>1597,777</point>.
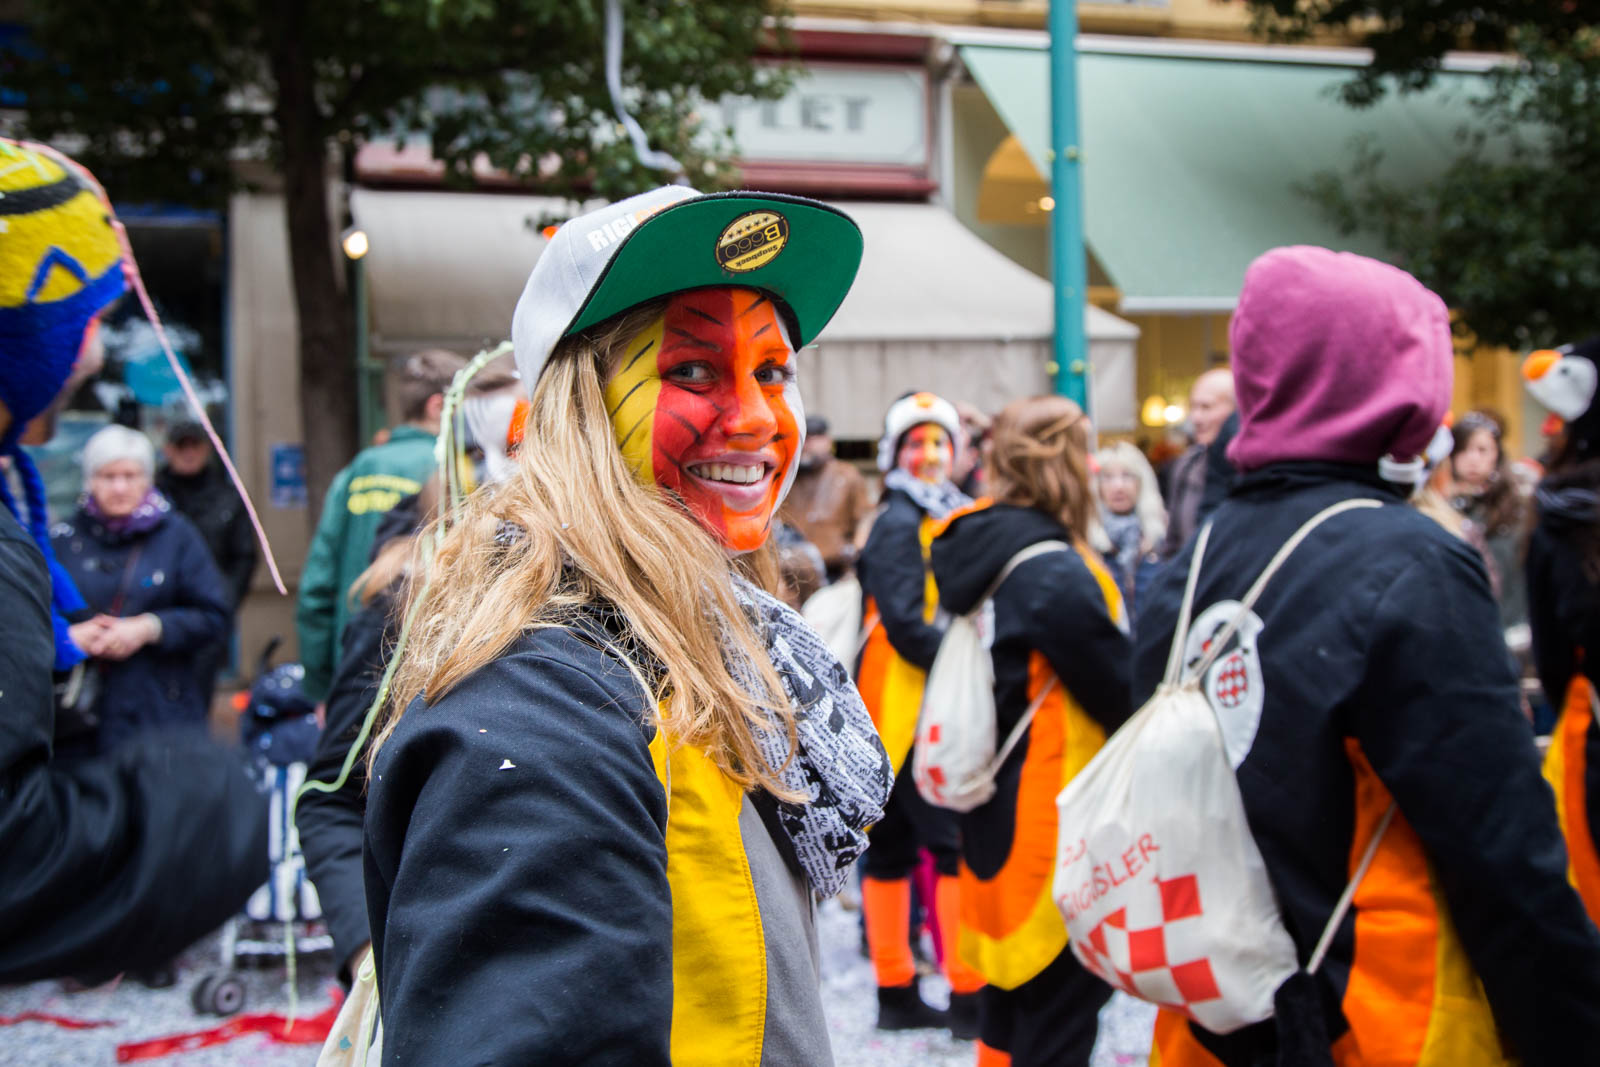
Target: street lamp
<point>353,242</point>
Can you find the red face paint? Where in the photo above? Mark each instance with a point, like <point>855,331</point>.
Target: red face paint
<point>723,430</point>
<point>926,453</point>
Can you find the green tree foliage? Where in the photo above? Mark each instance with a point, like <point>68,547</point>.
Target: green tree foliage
<point>165,99</point>
<point>1409,38</point>
<point>1509,233</point>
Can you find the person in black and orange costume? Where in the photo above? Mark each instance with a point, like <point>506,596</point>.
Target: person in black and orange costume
<point>917,454</point>
<point>1370,688</point>
<point>1059,639</point>
<point>1563,572</point>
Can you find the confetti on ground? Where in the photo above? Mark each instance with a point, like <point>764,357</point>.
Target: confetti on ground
<point>850,1001</point>
<point>138,1014</point>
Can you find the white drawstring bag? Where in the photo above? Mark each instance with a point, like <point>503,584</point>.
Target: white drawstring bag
<point>356,1038</point>
<point>953,761</point>
<point>1163,889</point>
<point>834,611</point>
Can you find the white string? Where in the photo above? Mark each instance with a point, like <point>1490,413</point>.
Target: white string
<point>641,144</point>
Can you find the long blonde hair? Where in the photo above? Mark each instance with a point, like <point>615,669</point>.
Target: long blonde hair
<point>1152,513</point>
<point>583,530</point>
<point>1039,459</point>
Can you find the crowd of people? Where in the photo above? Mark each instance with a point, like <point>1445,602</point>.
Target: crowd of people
<point>587,769</point>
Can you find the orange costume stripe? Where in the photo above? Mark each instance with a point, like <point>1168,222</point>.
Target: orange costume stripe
<point>1566,768</point>
<point>1412,998</point>
<point>891,687</point>
<point>1010,926</point>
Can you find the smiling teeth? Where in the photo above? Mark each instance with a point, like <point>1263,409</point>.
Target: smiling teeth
<point>728,472</point>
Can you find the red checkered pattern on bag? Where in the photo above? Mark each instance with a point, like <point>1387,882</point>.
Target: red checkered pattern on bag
<point>1143,954</point>
<point>1233,681</point>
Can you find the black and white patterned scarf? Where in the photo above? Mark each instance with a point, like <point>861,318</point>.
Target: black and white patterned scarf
<point>839,765</point>
<point>936,500</point>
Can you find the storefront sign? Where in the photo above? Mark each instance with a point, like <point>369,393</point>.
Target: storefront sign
<point>836,114</point>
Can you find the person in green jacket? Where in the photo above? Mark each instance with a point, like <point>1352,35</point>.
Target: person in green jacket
<point>360,496</point>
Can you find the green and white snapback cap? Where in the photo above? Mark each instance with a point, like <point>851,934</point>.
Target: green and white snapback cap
<point>802,252</point>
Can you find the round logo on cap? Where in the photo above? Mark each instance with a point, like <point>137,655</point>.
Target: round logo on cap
<point>752,240</point>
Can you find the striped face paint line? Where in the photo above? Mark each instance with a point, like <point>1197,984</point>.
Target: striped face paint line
<point>716,412</point>
<point>927,453</point>
<point>631,399</point>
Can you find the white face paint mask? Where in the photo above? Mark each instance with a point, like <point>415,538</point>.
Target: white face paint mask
<point>488,420</point>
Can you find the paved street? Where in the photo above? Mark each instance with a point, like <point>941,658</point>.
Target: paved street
<point>850,998</point>
<point>141,1014</point>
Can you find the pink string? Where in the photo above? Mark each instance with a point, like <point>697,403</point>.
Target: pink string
<point>132,271</point>
<point>130,267</point>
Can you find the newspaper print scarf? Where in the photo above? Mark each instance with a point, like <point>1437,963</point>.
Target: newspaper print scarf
<point>839,763</point>
<point>935,500</point>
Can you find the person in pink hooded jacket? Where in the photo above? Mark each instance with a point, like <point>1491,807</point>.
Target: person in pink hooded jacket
<point>1372,673</point>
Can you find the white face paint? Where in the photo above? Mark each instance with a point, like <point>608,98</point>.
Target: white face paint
<point>488,421</point>
<point>797,404</point>
<point>1567,388</point>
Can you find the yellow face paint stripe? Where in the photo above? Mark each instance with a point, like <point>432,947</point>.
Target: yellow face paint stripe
<point>631,401</point>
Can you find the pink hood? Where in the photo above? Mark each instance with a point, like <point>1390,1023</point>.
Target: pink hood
<point>1336,357</point>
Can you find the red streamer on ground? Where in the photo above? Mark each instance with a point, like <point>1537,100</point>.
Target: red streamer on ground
<point>54,1020</point>
<point>312,1031</point>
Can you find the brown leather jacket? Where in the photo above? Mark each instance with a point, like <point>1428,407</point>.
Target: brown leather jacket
<point>827,505</point>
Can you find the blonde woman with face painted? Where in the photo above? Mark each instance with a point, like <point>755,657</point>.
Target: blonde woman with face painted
<point>616,772</point>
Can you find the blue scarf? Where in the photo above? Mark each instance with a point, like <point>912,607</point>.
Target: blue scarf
<point>65,600</point>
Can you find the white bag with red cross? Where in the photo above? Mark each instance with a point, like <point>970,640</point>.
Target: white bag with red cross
<point>1163,889</point>
<point>953,761</point>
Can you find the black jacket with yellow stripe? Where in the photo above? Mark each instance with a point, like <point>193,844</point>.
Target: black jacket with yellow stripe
<point>1382,675</point>
<point>1056,616</point>
<point>899,607</point>
<point>551,880</point>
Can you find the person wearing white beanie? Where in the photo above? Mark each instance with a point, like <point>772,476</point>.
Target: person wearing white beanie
<point>921,435</point>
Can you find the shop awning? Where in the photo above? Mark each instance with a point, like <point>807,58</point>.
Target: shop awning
<point>934,307</point>
<point>446,268</point>
<point>1192,166</point>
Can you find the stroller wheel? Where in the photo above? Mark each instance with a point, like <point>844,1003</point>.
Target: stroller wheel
<point>227,995</point>
<point>200,995</point>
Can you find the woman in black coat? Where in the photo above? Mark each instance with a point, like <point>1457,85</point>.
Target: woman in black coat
<point>1563,574</point>
<point>156,601</point>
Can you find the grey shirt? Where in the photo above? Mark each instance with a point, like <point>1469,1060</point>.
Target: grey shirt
<point>796,1032</point>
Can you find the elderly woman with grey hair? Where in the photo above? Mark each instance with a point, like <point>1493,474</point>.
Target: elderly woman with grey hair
<point>1133,521</point>
<point>155,598</point>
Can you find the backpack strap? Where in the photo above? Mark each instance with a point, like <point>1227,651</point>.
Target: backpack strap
<point>988,774</point>
<point>1038,548</point>
<point>1349,895</point>
<point>1180,638</point>
<point>1221,640</point>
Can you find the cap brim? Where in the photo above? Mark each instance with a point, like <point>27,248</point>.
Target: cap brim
<point>802,251</point>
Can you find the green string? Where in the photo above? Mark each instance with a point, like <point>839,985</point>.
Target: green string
<point>447,454</point>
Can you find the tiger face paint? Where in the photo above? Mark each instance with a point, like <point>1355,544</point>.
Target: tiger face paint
<point>704,403</point>
<point>926,453</point>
